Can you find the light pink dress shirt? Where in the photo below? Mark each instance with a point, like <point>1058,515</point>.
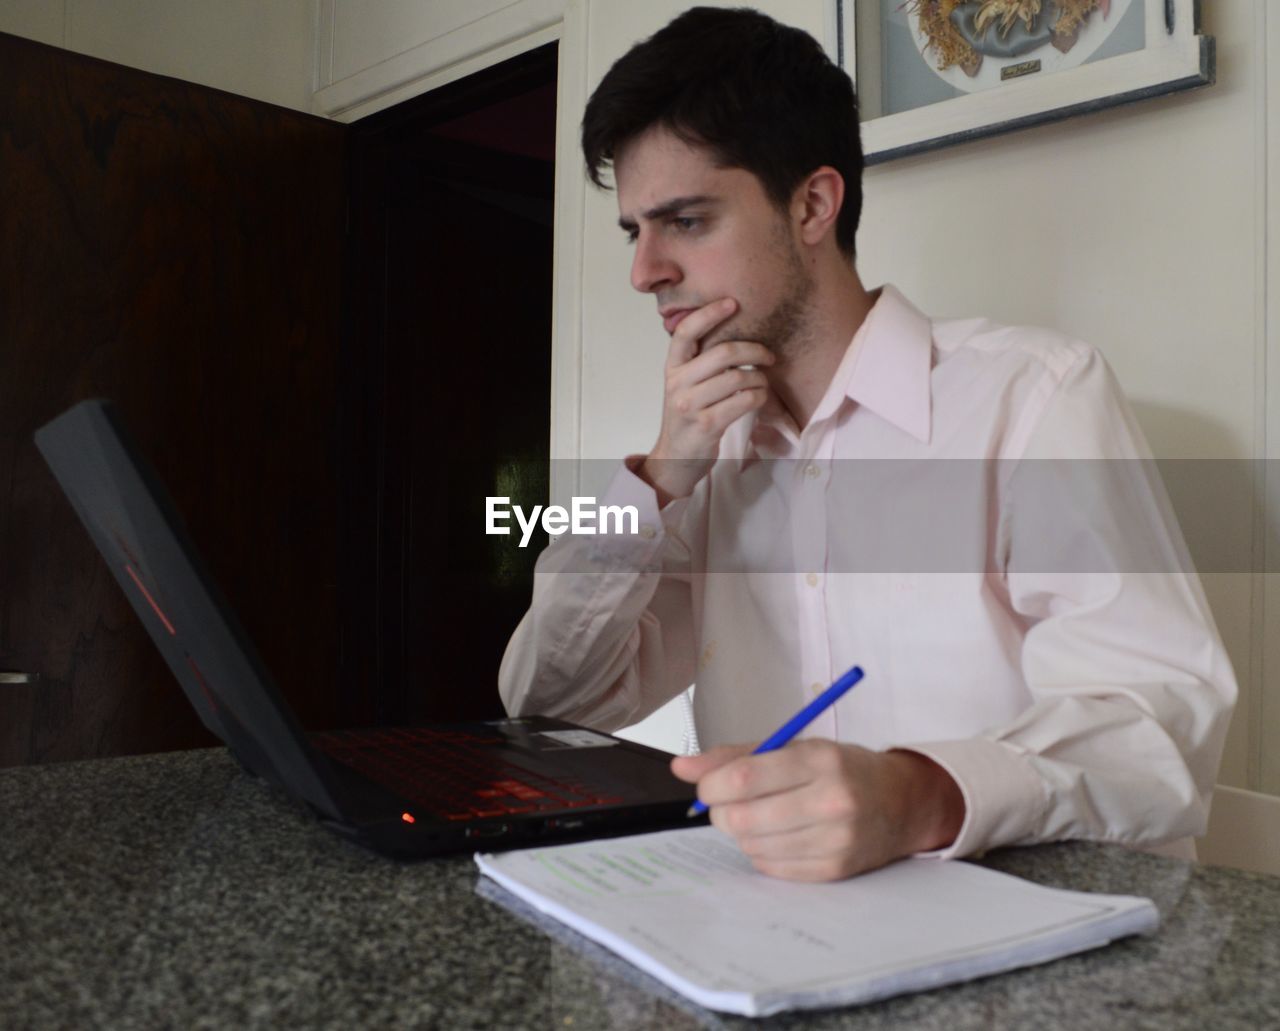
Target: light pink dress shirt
<point>927,526</point>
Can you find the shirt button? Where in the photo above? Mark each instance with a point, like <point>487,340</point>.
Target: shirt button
<point>811,579</point>
<point>817,688</point>
<point>648,532</point>
<point>812,471</point>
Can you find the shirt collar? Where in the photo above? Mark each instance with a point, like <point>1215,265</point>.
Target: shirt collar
<point>886,369</point>
<point>892,362</point>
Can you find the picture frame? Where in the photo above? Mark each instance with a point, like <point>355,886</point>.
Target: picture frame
<point>1005,71</point>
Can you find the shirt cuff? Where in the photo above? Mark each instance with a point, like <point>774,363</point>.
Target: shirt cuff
<point>1005,801</point>
<point>624,548</point>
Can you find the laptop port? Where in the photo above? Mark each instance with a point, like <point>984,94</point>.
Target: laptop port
<point>490,830</point>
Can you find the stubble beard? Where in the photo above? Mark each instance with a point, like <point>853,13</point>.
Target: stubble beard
<point>786,328</point>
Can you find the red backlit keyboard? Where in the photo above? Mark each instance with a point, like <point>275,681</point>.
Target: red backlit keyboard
<point>453,773</point>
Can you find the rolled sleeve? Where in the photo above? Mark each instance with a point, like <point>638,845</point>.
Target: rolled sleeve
<point>608,637</point>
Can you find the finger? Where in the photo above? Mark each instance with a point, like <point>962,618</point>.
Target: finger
<point>776,816</point>
<point>820,852</point>
<point>755,776</point>
<point>692,768</point>
<point>733,353</point>
<point>693,327</point>
<point>725,384</point>
<point>728,354</point>
<point>804,837</point>
<point>818,869</point>
<point>715,419</point>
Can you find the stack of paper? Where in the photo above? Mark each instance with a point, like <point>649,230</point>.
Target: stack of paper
<point>688,908</point>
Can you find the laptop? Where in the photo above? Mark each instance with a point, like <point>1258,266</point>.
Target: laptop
<point>405,792</point>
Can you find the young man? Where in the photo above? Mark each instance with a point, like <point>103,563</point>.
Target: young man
<point>838,479</point>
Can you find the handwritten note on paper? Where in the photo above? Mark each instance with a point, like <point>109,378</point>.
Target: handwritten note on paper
<point>643,866</point>
<point>687,907</point>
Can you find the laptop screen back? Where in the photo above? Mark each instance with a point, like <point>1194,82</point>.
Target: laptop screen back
<point>133,522</point>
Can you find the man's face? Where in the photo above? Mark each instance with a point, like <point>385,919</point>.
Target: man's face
<point>702,233</point>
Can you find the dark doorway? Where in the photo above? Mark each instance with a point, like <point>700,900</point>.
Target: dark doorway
<point>448,386</point>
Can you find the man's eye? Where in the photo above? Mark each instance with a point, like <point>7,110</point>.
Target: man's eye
<point>682,223</point>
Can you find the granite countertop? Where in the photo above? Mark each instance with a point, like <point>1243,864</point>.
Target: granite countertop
<point>175,890</point>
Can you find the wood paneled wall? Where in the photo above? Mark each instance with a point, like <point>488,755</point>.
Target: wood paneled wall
<point>176,249</point>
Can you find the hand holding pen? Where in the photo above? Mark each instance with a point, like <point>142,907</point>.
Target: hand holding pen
<point>821,810</point>
<point>797,722</point>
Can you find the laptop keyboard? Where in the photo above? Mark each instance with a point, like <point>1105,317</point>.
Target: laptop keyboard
<point>449,773</point>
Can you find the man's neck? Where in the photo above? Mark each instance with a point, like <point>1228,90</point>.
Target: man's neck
<point>839,306</point>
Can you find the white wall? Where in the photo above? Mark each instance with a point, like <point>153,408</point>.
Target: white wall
<point>375,53</point>
<point>265,49</point>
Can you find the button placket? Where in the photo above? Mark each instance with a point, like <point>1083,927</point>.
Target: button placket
<point>809,542</point>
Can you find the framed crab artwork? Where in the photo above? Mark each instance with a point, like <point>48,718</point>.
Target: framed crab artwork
<point>935,72</point>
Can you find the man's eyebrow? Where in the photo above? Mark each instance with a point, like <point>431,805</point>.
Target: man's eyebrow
<point>667,208</point>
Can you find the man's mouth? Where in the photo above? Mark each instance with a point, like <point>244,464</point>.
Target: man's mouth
<point>673,318</point>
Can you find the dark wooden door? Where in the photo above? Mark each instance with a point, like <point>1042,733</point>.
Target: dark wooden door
<point>176,249</point>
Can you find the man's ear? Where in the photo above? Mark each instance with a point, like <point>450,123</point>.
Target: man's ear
<point>816,203</point>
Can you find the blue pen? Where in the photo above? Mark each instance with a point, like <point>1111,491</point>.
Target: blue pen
<point>798,722</point>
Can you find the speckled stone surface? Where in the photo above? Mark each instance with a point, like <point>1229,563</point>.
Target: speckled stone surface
<point>175,891</point>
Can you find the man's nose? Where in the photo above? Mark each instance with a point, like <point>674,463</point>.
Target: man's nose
<point>651,267</point>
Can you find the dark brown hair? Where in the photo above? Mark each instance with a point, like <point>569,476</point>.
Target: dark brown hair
<point>758,95</point>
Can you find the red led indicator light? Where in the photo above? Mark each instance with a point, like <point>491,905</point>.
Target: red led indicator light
<point>407,818</point>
